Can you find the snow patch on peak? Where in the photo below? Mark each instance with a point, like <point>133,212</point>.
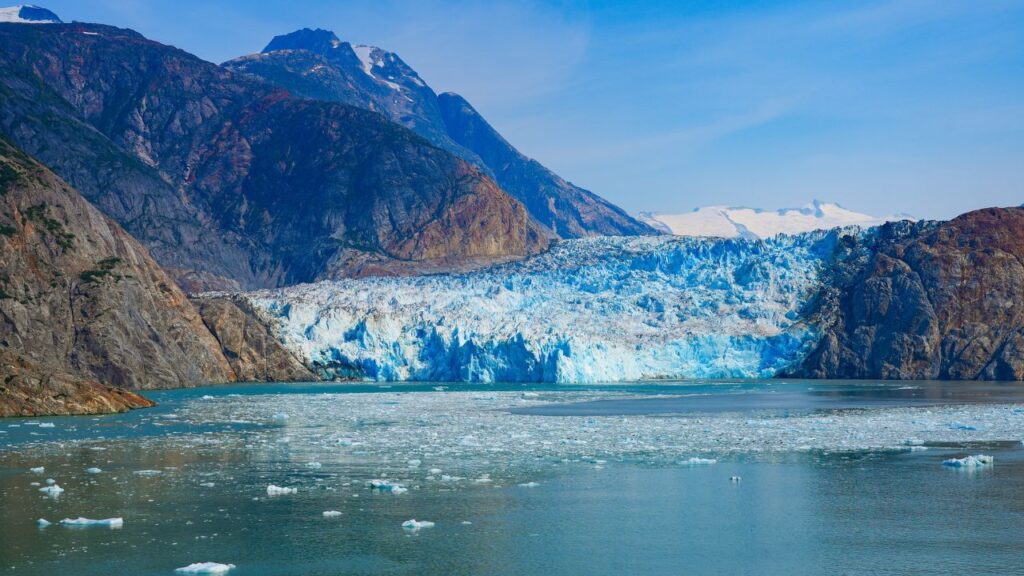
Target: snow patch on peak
<point>371,57</point>
<point>28,14</point>
<point>742,222</point>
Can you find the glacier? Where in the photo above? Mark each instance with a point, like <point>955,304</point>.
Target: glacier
<point>593,310</point>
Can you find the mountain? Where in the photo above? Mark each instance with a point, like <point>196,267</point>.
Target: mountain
<point>86,315</point>
<point>81,302</point>
<point>926,301</point>
<point>734,222</point>
<point>905,300</point>
<point>230,181</point>
<point>316,64</point>
<point>28,14</point>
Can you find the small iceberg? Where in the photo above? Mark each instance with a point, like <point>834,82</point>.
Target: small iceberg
<point>735,479</point>
<point>43,523</point>
<point>695,461</point>
<point>37,470</point>
<point>314,465</point>
<point>961,426</point>
<point>46,425</point>
<point>205,568</point>
<point>279,417</point>
<point>976,461</point>
<point>414,525</point>
<point>273,490</point>
<point>148,472</point>
<point>88,522</point>
<point>529,484</point>
<point>93,470</point>
<point>387,486</point>
<point>331,513</point>
<point>52,490</point>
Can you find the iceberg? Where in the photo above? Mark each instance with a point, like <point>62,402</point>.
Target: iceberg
<point>52,490</point>
<point>43,523</point>
<point>605,309</point>
<point>331,513</point>
<point>976,461</point>
<point>205,568</point>
<point>695,461</point>
<point>387,486</point>
<point>87,522</point>
<point>273,490</point>
<point>37,470</point>
<point>415,525</point>
<point>93,470</point>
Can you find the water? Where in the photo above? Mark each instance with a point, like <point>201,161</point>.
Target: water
<point>836,478</point>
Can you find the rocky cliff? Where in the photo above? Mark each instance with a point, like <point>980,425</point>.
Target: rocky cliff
<point>316,64</point>
<point>82,303</point>
<point>231,180</point>
<point>926,301</point>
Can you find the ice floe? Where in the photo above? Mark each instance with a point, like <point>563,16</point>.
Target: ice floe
<point>976,461</point>
<point>37,470</point>
<point>273,490</point>
<point>696,461</point>
<point>88,522</point>
<point>93,470</point>
<point>43,523</point>
<point>205,568</point>
<point>331,513</point>
<point>52,490</point>
<point>415,525</point>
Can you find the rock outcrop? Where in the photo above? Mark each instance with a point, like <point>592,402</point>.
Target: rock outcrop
<point>926,301</point>
<point>254,353</point>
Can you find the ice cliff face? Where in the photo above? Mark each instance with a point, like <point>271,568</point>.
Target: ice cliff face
<point>589,310</point>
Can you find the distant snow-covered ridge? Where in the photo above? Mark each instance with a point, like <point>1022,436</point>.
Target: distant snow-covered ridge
<point>28,14</point>
<point>737,222</point>
<point>591,310</point>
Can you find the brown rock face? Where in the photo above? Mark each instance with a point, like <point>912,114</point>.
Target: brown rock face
<point>82,302</point>
<point>253,352</point>
<point>929,301</point>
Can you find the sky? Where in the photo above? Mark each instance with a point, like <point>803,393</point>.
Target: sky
<point>884,106</point>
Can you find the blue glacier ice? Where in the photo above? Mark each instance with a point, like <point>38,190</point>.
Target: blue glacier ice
<point>589,310</point>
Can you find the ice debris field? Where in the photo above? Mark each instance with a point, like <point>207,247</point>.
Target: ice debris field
<point>590,310</point>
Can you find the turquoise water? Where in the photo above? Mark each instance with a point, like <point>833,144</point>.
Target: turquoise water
<point>835,478</point>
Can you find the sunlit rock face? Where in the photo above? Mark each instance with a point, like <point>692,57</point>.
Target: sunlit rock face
<point>589,310</point>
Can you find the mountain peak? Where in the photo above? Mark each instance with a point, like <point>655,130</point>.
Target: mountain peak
<point>318,40</point>
<point>28,14</point>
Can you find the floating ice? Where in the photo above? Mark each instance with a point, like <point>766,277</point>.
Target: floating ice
<point>314,465</point>
<point>207,484</point>
<point>530,484</point>
<point>93,470</point>
<point>46,425</point>
<point>414,463</point>
<point>43,523</point>
<point>735,479</point>
<point>331,513</point>
<point>205,568</point>
<point>53,490</point>
<point>50,481</point>
<point>37,470</point>
<point>415,525</point>
<point>273,490</point>
<point>148,472</point>
<point>279,417</point>
<point>87,522</point>
<point>695,461</point>
<point>976,461</point>
<point>961,426</point>
<point>387,486</point>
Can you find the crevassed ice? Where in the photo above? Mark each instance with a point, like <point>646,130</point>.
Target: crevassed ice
<point>589,310</point>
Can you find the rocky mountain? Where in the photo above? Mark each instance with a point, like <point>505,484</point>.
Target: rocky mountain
<point>230,181</point>
<point>926,301</point>
<point>316,64</point>
<point>736,222</point>
<point>82,303</point>
<point>86,315</point>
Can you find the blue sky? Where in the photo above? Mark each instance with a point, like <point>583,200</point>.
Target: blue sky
<point>884,106</point>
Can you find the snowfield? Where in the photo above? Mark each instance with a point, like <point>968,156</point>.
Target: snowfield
<point>591,310</point>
